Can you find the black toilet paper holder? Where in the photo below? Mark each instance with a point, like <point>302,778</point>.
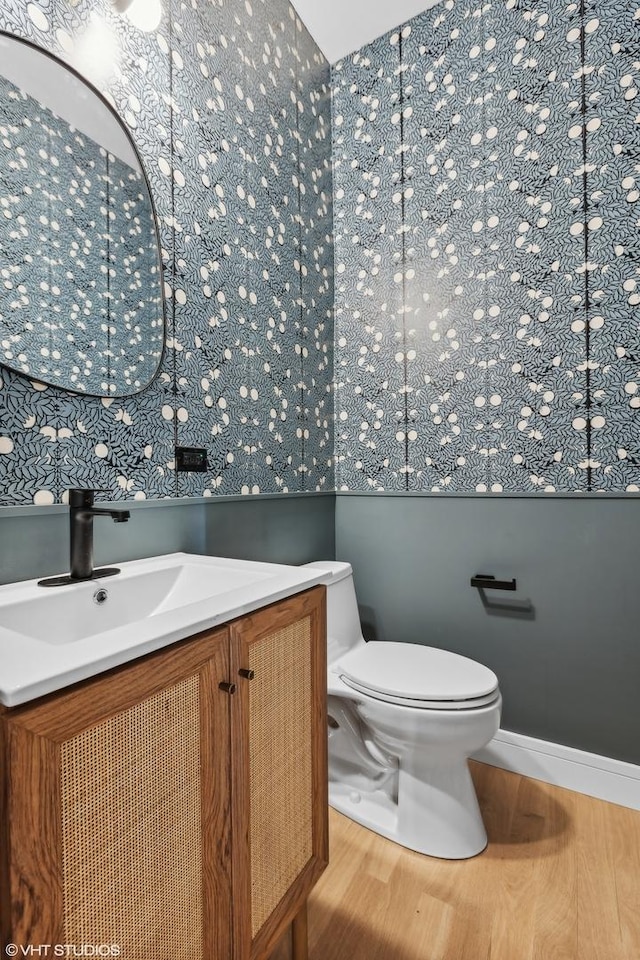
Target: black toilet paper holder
<point>485,581</point>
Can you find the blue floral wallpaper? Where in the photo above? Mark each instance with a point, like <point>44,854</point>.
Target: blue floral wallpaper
<point>485,217</point>
<point>487,271</point>
<point>228,102</point>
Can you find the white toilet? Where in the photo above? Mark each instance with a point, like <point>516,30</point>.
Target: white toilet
<point>403,719</point>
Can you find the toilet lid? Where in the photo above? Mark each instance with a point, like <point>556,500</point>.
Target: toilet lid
<point>412,672</point>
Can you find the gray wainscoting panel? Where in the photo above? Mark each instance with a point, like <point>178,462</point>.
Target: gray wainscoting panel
<point>288,529</point>
<point>34,542</point>
<point>565,645</point>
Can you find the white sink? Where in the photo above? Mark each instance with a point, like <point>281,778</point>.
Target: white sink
<point>51,637</point>
<point>71,614</point>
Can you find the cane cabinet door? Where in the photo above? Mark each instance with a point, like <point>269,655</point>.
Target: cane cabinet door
<point>118,810</point>
<point>279,750</point>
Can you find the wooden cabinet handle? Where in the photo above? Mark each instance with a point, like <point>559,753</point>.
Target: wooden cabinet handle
<point>227,687</point>
<point>247,674</point>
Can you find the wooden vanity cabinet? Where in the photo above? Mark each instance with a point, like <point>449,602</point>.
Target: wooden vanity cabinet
<point>174,808</point>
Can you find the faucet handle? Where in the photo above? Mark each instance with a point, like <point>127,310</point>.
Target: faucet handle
<point>83,496</point>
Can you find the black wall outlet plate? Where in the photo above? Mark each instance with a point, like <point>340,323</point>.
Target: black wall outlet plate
<point>191,460</point>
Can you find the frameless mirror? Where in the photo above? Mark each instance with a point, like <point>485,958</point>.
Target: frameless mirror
<point>81,303</point>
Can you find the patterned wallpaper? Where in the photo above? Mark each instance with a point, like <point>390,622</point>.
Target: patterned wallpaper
<point>229,105</point>
<point>486,182</point>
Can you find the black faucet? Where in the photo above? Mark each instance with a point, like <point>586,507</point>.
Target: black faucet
<point>81,514</point>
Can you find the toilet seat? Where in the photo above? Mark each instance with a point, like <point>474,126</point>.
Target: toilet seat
<point>422,677</point>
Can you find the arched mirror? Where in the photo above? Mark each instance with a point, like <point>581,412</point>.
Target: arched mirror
<point>81,303</point>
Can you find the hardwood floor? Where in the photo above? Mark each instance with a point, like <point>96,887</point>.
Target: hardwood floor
<point>560,880</point>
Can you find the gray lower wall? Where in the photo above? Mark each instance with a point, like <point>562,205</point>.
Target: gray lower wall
<point>34,541</point>
<point>286,529</point>
<point>566,648</point>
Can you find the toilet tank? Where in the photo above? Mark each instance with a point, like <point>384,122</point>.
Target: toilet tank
<point>343,621</point>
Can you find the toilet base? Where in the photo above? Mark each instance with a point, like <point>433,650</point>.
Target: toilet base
<point>374,810</point>
<point>449,825</point>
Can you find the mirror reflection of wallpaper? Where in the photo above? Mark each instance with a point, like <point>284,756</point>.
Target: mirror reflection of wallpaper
<point>79,257</point>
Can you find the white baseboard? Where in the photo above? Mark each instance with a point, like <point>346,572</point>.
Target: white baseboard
<point>600,777</point>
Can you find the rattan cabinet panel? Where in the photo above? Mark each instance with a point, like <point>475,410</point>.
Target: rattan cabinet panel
<point>172,808</point>
<point>279,739</point>
<point>114,820</point>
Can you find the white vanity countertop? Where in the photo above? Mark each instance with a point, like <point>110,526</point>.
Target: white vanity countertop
<point>51,637</point>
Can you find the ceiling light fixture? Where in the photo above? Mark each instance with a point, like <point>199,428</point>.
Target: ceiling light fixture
<point>143,14</point>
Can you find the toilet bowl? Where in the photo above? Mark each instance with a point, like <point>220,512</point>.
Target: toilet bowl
<point>403,720</point>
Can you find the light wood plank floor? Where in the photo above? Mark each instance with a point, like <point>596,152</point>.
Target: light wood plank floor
<point>560,880</point>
